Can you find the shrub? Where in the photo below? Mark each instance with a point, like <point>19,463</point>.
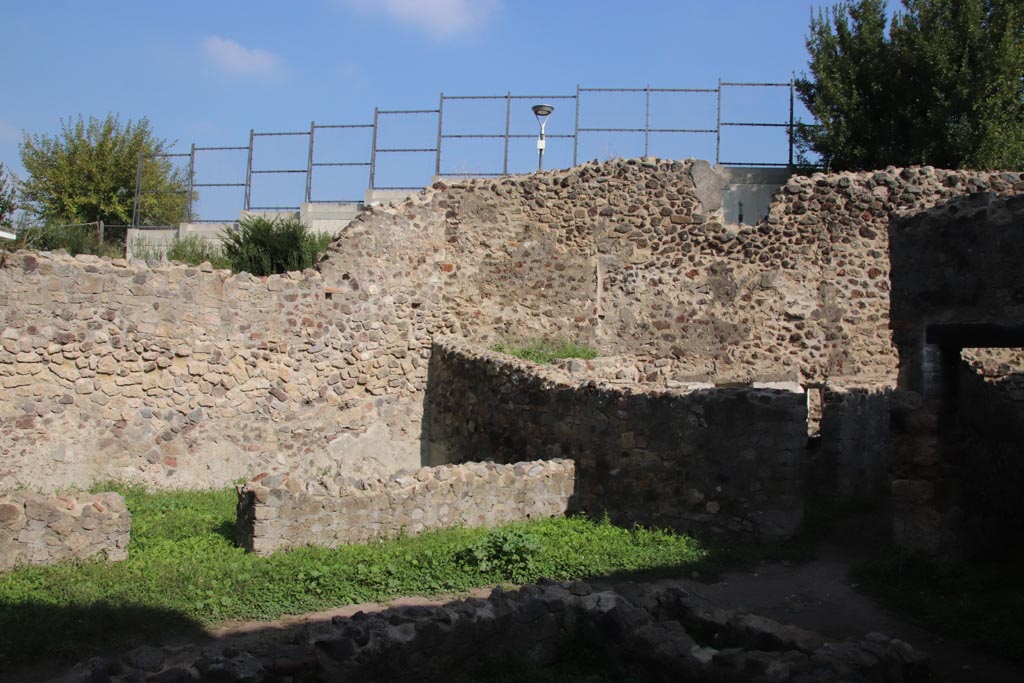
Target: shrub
<point>508,552</point>
<point>266,246</point>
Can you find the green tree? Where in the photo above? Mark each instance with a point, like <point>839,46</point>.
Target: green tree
<point>8,198</point>
<point>87,172</point>
<point>942,83</point>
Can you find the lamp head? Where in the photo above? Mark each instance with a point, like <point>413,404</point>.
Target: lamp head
<point>542,110</point>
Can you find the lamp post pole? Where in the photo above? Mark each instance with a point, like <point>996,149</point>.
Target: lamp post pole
<point>542,112</point>
<point>540,151</point>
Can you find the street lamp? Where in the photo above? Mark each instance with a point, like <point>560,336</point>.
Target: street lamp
<point>542,112</point>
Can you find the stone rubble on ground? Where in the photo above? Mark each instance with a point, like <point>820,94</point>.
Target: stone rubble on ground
<point>648,631</point>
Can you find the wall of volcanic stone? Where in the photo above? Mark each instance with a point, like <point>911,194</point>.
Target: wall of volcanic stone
<point>181,376</point>
<point>625,255</point>
<point>724,461</point>
<point>37,529</point>
<point>276,513</point>
<point>185,376</point>
<point>956,283</point>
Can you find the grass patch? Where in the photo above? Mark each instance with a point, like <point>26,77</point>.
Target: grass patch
<point>545,351</point>
<point>183,571</point>
<point>982,603</point>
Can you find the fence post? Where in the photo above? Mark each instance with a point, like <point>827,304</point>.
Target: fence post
<point>248,171</point>
<point>646,120</point>
<point>440,116</point>
<point>508,123</point>
<point>373,149</point>
<point>791,122</point>
<point>718,126</point>
<point>136,209</point>
<point>99,226</point>
<point>191,183</point>
<point>576,127</point>
<point>309,162</point>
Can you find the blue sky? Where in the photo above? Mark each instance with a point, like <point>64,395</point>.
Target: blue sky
<point>208,72</point>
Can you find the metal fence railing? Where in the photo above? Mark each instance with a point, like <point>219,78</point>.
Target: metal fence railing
<point>433,136</point>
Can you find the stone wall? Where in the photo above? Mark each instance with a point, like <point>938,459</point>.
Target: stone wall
<point>956,267</point>
<point>179,376</point>
<point>36,529</point>
<point>956,285</point>
<point>625,255</point>
<point>276,513</point>
<point>989,429</point>
<point>724,461</point>
<point>642,632</point>
<point>854,448</point>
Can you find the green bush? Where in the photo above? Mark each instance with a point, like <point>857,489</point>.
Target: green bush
<point>266,246</point>
<point>545,351</point>
<point>508,552</point>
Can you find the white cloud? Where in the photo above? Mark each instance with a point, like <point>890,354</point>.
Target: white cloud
<point>238,60</point>
<point>440,18</point>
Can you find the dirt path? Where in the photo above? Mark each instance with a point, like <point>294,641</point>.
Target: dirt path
<point>819,596</point>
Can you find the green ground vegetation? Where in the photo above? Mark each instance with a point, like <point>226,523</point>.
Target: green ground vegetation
<point>190,249</point>
<point>184,572</point>
<point>545,351</point>
<point>981,602</point>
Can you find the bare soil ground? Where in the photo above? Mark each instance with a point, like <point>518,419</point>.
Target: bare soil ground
<point>819,596</point>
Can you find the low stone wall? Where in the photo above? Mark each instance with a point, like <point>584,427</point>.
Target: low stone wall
<point>718,460</point>
<point>643,632</point>
<point>277,513</point>
<point>36,529</point>
<point>853,462</point>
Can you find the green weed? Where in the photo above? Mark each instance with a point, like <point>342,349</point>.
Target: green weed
<point>510,552</point>
<point>545,351</point>
<point>183,571</point>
